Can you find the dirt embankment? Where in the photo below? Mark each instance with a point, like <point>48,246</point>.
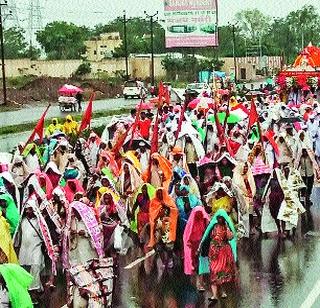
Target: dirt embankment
<point>45,89</point>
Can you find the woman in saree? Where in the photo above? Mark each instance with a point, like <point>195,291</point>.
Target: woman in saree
<point>163,223</point>
<point>7,253</point>
<point>189,181</point>
<point>45,183</point>
<point>129,182</point>
<point>140,210</point>
<point>160,173</point>
<point>73,187</point>
<point>16,281</point>
<point>219,245</point>
<point>220,197</point>
<point>185,202</point>
<point>195,228</point>
<point>108,215</point>
<point>244,188</point>
<point>9,211</point>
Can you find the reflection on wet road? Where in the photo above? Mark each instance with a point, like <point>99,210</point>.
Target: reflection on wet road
<point>272,273</point>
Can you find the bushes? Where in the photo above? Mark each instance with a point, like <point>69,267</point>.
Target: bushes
<point>83,69</point>
<point>20,81</point>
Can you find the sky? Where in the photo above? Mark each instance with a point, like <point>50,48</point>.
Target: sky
<point>92,12</point>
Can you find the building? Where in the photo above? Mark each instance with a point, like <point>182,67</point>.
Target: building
<point>249,68</point>
<point>101,47</point>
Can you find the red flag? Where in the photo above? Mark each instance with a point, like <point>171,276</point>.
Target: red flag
<point>120,142</point>
<point>161,92</point>
<point>136,122</point>
<point>155,136</point>
<point>253,116</point>
<point>87,115</point>
<point>243,108</point>
<point>38,130</point>
<point>167,97</point>
<point>229,147</point>
<point>218,125</point>
<point>270,136</point>
<point>180,121</point>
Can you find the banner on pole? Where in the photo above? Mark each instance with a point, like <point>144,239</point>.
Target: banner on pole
<point>191,23</point>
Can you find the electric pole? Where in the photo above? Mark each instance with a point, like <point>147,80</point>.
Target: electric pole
<point>234,54</point>
<point>2,55</point>
<point>125,43</point>
<point>151,17</point>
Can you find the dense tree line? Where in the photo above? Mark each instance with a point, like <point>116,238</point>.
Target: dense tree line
<point>255,33</point>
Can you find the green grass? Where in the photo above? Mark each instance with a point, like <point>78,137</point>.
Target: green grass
<point>20,81</point>
<point>13,129</point>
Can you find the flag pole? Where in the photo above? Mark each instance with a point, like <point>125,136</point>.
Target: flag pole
<point>42,118</point>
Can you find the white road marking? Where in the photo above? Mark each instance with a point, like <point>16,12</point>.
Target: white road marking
<point>312,297</point>
<point>139,260</point>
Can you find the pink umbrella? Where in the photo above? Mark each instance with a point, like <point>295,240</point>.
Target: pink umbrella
<point>69,89</point>
<point>144,106</point>
<point>201,102</point>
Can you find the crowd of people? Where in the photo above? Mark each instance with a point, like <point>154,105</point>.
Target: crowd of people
<point>189,179</point>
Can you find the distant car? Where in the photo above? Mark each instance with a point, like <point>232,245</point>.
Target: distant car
<point>200,88</point>
<point>132,89</point>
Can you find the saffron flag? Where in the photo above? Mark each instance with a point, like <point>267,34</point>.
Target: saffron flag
<point>155,136</point>
<point>120,142</point>
<point>167,97</point>
<point>253,116</point>
<point>181,119</point>
<point>270,136</point>
<point>87,115</point>
<point>38,130</point>
<point>161,92</point>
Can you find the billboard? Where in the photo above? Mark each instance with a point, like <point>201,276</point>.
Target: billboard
<point>191,23</point>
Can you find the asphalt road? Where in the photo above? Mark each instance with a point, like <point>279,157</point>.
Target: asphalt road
<point>272,273</point>
<point>31,114</point>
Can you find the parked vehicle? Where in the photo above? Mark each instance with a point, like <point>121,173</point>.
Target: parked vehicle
<point>200,87</point>
<point>132,89</point>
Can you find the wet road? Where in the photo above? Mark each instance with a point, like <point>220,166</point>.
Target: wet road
<point>272,273</point>
<point>31,114</point>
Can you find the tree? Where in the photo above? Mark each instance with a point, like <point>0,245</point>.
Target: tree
<point>83,69</point>
<point>253,23</point>
<point>62,40</point>
<point>305,26</point>
<point>15,45</point>
<point>138,35</point>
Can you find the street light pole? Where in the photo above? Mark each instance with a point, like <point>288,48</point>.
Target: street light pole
<point>125,43</point>
<point>234,54</point>
<point>152,47</point>
<point>2,56</point>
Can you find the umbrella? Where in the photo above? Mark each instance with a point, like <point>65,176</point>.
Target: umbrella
<point>144,106</point>
<point>290,120</point>
<point>69,89</point>
<point>135,144</point>
<point>201,102</point>
<point>232,118</point>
